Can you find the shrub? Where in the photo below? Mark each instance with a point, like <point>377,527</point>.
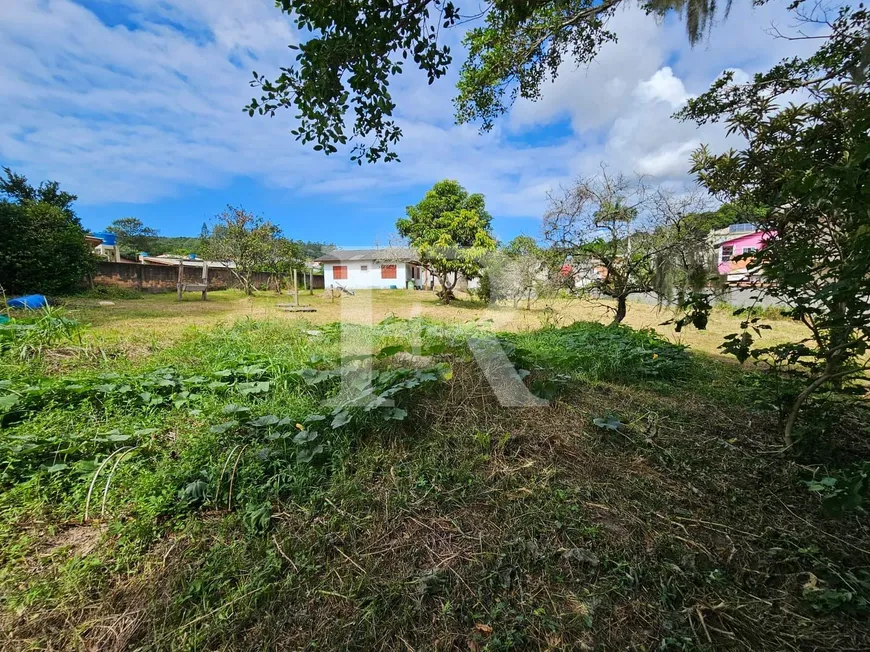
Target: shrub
<point>43,249</point>
<point>598,352</point>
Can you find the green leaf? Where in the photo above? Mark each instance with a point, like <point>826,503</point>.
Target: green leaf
<point>340,419</point>
<point>305,436</point>
<point>8,401</point>
<point>119,437</point>
<point>258,387</point>
<point>234,408</point>
<point>264,421</point>
<point>388,351</point>
<point>308,454</point>
<point>397,414</point>
<point>251,370</point>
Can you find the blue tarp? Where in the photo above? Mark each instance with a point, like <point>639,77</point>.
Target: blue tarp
<point>30,302</point>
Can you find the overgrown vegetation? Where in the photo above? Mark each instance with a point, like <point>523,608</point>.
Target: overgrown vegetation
<point>27,336</point>
<point>806,163</point>
<point>43,248</point>
<point>592,352</point>
<point>272,484</point>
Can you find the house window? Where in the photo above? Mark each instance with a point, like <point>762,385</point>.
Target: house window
<point>388,271</point>
<point>727,252</point>
<point>339,272</point>
<point>749,250</point>
<point>363,268</point>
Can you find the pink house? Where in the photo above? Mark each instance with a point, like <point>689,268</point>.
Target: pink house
<point>738,271</point>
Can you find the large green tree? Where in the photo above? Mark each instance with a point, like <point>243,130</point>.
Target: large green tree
<point>133,236</point>
<point>245,242</point>
<point>16,188</point>
<point>450,229</point>
<point>356,46</point>
<point>807,159</point>
<point>43,247</point>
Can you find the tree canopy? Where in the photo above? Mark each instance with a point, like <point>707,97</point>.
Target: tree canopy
<point>807,161</point>
<point>356,46</point>
<point>620,237</point>
<point>450,229</point>
<point>18,189</point>
<point>43,247</point>
<point>247,241</point>
<point>133,236</point>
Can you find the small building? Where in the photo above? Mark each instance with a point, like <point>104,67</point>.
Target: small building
<point>582,274</point>
<point>378,268</point>
<point>739,271</point>
<point>105,245</point>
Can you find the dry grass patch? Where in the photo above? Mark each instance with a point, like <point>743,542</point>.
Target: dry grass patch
<point>160,320</point>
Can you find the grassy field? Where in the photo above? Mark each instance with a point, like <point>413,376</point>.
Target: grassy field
<point>217,476</point>
<point>159,317</point>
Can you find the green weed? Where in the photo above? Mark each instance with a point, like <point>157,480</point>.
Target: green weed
<point>248,488</point>
<point>594,352</point>
<point>24,337</point>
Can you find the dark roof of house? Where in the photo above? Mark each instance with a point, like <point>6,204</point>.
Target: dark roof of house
<point>399,254</point>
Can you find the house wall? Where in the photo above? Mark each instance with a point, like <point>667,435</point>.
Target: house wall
<point>737,270</point>
<point>358,279</point>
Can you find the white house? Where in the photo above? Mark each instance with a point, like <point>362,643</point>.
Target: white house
<point>381,268</point>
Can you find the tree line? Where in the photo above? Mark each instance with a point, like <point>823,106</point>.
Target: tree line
<point>44,249</point>
<point>135,237</point>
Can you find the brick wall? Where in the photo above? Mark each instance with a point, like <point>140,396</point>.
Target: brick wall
<point>163,278</point>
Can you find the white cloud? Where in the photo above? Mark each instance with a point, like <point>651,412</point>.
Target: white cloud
<point>663,86</point>
<point>595,95</point>
<point>135,115</point>
<point>668,161</point>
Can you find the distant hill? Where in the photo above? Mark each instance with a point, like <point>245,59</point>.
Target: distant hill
<point>180,246</point>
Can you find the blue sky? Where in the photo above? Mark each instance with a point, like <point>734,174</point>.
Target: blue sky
<point>136,107</point>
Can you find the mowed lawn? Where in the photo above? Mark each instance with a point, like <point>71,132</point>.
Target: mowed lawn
<point>158,319</point>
